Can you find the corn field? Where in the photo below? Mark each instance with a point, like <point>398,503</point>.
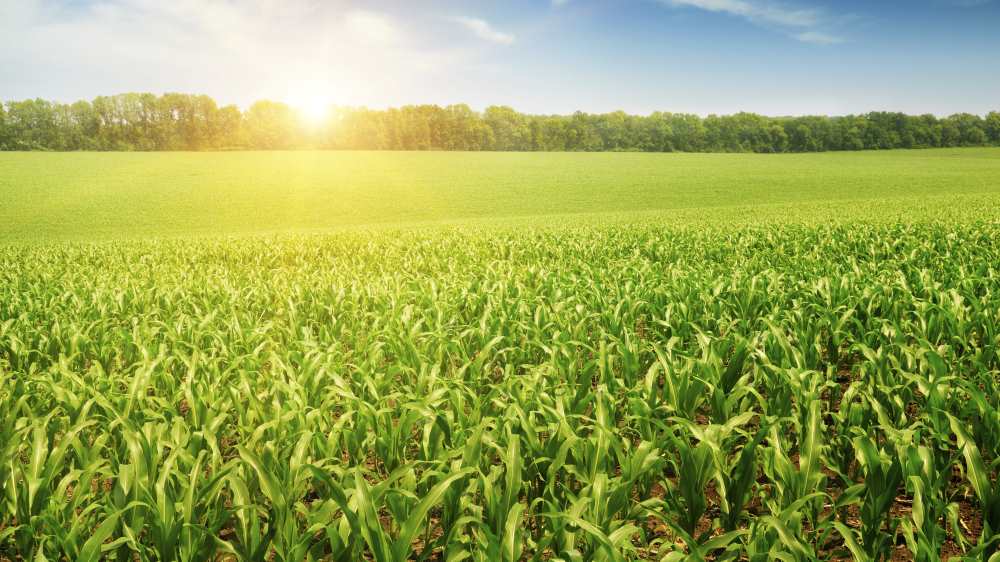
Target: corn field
<point>587,392</point>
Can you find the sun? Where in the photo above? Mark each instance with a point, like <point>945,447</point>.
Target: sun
<point>313,107</point>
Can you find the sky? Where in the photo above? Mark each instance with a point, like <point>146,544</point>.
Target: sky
<point>781,57</point>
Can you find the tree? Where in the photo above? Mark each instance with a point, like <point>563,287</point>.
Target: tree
<point>951,135</point>
<point>270,125</point>
<point>852,137</point>
<point>613,130</point>
<point>754,133</point>
<point>993,127</point>
<point>31,125</point>
<point>720,136</point>
<point>777,139</point>
<point>175,121</point>
<point>659,133</point>
<point>458,125</point>
<point>970,129</point>
<point>926,131</point>
<point>689,134</point>
<point>4,135</point>
<point>415,128</point>
<point>85,126</point>
<point>974,136</point>
<point>800,137</point>
<point>227,128</point>
<point>510,128</point>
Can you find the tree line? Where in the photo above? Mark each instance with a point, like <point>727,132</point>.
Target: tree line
<point>145,122</point>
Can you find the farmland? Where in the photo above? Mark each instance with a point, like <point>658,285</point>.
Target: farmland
<point>393,356</point>
<point>91,196</point>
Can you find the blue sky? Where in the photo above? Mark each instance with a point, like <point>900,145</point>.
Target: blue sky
<point>542,56</point>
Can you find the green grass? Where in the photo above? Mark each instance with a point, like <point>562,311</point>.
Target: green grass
<point>96,195</point>
<point>735,358</point>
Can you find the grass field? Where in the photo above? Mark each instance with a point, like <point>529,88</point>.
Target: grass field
<point>87,196</point>
<point>580,357</point>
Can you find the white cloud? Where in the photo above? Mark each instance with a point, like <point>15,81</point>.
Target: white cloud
<point>373,27</point>
<point>482,29</point>
<point>800,23</point>
<point>818,37</point>
<point>235,50</point>
<point>757,11</point>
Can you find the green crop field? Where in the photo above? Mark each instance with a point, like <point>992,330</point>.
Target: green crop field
<point>456,356</point>
<point>92,196</point>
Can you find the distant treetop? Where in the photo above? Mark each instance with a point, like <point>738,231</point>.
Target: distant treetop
<point>145,122</point>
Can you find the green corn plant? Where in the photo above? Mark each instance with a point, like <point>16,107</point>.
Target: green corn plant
<point>573,537</point>
<point>93,546</point>
<point>694,467</point>
<point>795,480</point>
<point>397,547</point>
<point>13,403</point>
<point>594,388</point>
<point>680,393</point>
<point>336,518</point>
<point>727,394</point>
<point>883,475</point>
<point>169,499</point>
<point>507,546</point>
<point>737,476</point>
<point>852,416</point>
<point>502,488</point>
<point>926,481</point>
<point>253,534</point>
<point>934,385</point>
<point>283,482</point>
<point>37,481</point>
<point>775,536</point>
<point>986,489</point>
<point>982,413</point>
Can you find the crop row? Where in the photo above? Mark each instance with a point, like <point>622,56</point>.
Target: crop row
<point>577,393</point>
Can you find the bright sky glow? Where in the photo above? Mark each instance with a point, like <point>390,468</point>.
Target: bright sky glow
<point>775,57</point>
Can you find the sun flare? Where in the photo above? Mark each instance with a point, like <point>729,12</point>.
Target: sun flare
<point>313,107</point>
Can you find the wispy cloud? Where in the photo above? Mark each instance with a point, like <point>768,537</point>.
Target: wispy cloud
<point>756,11</point>
<point>799,23</point>
<point>482,29</point>
<point>373,27</point>
<point>235,50</point>
<point>818,38</point>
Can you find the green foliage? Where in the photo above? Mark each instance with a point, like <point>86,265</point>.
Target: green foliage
<point>583,392</point>
<point>770,382</point>
<point>4,132</point>
<point>92,196</point>
<point>268,126</point>
<point>191,122</point>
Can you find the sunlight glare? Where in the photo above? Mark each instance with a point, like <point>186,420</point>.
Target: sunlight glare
<point>313,106</point>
